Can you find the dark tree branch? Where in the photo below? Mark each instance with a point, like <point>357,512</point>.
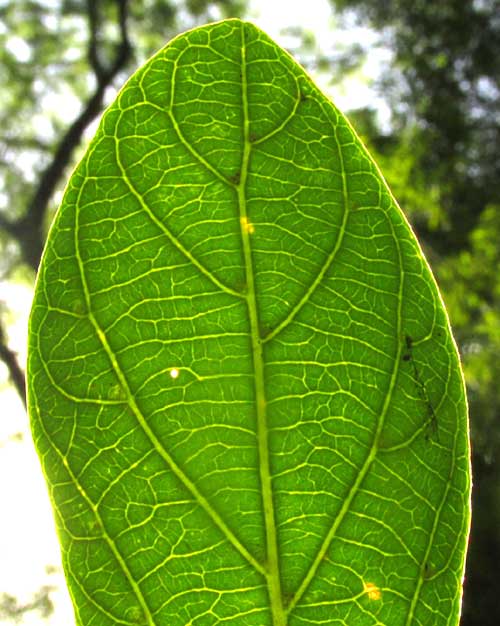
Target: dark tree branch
<point>29,229</point>
<point>93,49</point>
<point>16,374</point>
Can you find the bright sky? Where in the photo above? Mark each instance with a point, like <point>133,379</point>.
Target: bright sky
<point>28,543</point>
<point>29,552</point>
<point>317,17</point>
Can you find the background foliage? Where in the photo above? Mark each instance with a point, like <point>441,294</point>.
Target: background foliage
<point>438,152</point>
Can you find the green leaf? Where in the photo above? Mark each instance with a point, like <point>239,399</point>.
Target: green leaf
<point>242,382</point>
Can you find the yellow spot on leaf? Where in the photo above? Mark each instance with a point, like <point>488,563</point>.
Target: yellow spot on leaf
<point>174,372</point>
<point>247,226</point>
<point>372,591</point>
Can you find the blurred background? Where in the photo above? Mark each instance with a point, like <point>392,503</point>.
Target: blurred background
<point>419,80</point>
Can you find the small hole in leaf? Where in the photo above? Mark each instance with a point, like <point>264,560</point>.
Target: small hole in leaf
<point>235,178</point>
<point>117,393</point>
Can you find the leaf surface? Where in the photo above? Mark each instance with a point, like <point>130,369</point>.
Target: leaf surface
<point>242,382</point>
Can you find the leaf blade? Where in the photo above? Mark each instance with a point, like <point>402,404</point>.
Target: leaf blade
<point>233,318</point>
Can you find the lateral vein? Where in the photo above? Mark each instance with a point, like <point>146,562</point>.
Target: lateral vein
<point>321,274</point>
<point>192,259</point>
<point>183,478</point>
<point>346,505</point>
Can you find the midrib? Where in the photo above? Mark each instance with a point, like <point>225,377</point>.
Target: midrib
<point>272,564</point>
